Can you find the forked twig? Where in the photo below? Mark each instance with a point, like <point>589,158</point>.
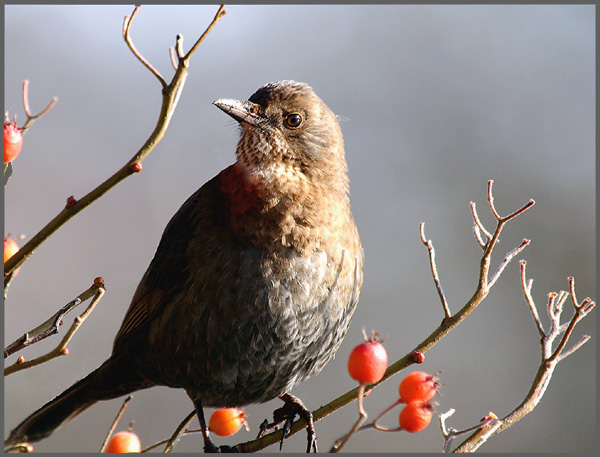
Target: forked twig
<point>32,117</point>
<point>50,326</point>
<point>126,35</point>
<point>61,349</point>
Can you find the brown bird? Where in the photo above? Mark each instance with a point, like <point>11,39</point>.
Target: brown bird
<point>255,279</point>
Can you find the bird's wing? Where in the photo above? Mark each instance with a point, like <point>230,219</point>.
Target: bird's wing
<point>168,272</point>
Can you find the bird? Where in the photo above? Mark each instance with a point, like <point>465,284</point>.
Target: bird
<point>254,281</point>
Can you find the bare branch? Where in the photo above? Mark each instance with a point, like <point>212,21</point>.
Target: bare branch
<point>220,13</point>
<point>61,349</point>
<point>571,280</point>
<point>581,342</point>
<point>179,431</point>
<point>450,433</point>
<point>170,97</point>
<point>507,260</point>
<point>549,361</point>
<point>32,117</point>
<point>491,200</point>
<point>524,208</point>
<point>50,326</point>
<point>529,299</point>
<point>126,35</point>
<point>478,228</point>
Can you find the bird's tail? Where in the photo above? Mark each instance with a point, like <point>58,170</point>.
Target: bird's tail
<point>104,383</point>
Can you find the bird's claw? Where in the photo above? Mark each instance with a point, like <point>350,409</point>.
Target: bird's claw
<point>285,415</point>
<point>212,448</point>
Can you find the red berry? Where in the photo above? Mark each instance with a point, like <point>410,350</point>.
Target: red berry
<point>226,421</point>
<point>415,416</point>
<point>368,361</point>
<point>13,141</point>
<point>418,385</point>
<point>122,442</point>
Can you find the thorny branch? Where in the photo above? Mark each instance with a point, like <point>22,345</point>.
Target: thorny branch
<point>50,327</point>
<point>170,97</point>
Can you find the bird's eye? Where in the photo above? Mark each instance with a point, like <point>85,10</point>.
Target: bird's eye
<point>293,120</point>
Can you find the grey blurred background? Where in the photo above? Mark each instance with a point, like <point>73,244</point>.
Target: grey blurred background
<point>436,100</point>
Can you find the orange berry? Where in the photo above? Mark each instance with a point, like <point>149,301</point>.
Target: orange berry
<point>415,416</point>
<point>226,421</point>
<point>10,248</point>
<point>123,442</point>
<point>368,361</point>
<point>418,385</point>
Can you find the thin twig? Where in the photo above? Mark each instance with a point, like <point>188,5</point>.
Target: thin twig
<point>179,431</point>
<point>114,423</point>
<point>491,200</point>
<point>172,57</point>
<point>220,13</point>
<point>126,35</point>
<point>507,260</point>
<point>526,285</point>
<point>480,226</point>
<point>450,433</point>
<point>362,416</point>
<point>50,326</point>
<point>436,278</point>
<point>61,349</point>
<point>184,431</point>
<point>576,346</point>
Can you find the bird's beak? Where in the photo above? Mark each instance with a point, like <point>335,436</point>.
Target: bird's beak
<point>241,111</point>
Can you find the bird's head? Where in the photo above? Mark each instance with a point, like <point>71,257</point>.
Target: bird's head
<point>288,133</point>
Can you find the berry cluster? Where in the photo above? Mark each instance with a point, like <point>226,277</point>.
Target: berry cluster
<point>367,365</point>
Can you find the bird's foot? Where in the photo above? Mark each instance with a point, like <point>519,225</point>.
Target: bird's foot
<point>285,415</point>
<point>210,447</point>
